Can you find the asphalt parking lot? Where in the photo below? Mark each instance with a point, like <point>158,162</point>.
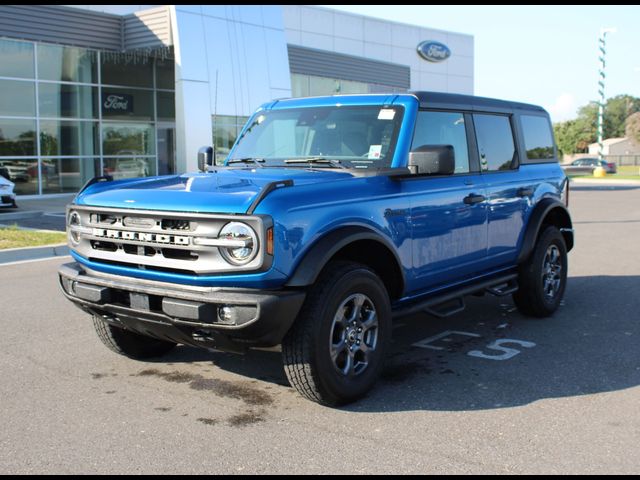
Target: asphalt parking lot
<point>486,391</point>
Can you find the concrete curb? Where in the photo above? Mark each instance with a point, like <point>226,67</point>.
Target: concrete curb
<point>605,182</point>
<point>21,215</point>
<point>11,255</point>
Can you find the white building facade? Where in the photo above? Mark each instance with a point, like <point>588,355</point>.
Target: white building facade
<point>147,85</point>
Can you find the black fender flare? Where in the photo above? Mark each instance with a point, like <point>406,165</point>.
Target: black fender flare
<point>319,254</point>
<point>544,208</point>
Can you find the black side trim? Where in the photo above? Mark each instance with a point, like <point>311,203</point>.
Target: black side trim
<point>545,207</point>
<point>268,188</point>
<point>103,178</point>
<point>321,252</point>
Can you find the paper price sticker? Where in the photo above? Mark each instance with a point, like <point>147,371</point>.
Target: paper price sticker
<point>386,114</point>
<point>374,151</point>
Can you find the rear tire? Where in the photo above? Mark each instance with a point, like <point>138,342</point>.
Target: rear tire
<point>334,352</point>
<point>130,344</point>
<point>542,278</point>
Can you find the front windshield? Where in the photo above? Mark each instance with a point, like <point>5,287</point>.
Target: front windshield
<point>325,137</point>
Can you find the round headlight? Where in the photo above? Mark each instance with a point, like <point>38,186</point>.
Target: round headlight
<point>246,238</point>
<point>74,221</point>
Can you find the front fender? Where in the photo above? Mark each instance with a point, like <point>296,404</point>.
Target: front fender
<point>326,247</point>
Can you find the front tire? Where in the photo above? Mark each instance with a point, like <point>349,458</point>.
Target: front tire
<point>130,344</point>
<point>543,277</point>
<point>334,352</point>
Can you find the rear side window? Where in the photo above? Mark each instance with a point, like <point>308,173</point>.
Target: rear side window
<point>443,128</point>
<point>538,139</point>
<point>495,142</point>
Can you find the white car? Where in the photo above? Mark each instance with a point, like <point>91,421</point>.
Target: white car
<point>7,197</point>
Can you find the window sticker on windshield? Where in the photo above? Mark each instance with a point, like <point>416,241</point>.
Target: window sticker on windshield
<point>386,114</point>
<point>374,151</point>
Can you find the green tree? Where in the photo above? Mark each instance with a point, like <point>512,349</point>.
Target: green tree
<point>574,136</point>
<point>618,109</point>
<point>632,129</point>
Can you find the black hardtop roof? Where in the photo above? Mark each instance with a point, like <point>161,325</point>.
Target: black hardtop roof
<point>470,102</point>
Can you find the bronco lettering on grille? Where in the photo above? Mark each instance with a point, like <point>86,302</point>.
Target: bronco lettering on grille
<point>141,237</point>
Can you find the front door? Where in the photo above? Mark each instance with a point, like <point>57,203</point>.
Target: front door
<point>448,213</point>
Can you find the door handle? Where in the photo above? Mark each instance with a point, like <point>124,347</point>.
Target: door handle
<point>473,199</point>
<point>525,192</point>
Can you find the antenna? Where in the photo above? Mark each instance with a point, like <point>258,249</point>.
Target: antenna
<point>215,119</point>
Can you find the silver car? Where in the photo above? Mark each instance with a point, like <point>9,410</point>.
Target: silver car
<point>7,197</point>
<point>588,165</point>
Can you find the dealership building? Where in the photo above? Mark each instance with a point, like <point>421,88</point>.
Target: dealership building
<point>136,90</point>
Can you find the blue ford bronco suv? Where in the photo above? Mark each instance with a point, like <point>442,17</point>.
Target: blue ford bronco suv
<point>330,217</point>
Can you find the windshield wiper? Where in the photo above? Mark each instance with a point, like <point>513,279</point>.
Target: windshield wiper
<point>334,162</point>
<point>256,161</point>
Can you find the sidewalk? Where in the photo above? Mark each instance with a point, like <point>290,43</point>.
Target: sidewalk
<point>604,182</point>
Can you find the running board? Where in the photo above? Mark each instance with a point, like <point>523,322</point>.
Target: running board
<point>499,286</point>
<point>506,288</point>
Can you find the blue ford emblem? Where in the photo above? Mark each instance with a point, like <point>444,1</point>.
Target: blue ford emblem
<point>433,51</point>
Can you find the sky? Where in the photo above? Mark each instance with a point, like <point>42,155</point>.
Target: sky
<point>541,54</point>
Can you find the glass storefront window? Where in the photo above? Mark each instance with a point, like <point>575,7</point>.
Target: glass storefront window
<point>23,172</point>
<point>17,137</point>
<point>17,98</point>
<point>62,137</point>
<point>129,167</point>
<point>63,110</point>
<point>165,74</point>
<point>63,100</point>
<point>127,69</point>
<point>166,102</point>
<point>226,129</point>
<point>16,59</point>
<point>311,85</point>
<point>66,175</point>
<point>299,85</point>
<point>323,86</point>
<point>67,64</point>
<point>126,104</point>
<point>128,139</point>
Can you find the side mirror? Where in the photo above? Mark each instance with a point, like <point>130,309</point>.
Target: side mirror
<point>205,158</point>
<point>432,160</point>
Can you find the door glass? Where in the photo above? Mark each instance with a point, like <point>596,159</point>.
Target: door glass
<point>495,142</point>
<point>166,150</point>
<point>444,128</point>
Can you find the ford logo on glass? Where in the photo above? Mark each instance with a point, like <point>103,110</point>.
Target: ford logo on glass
<point>433,51</point>
<point>117,102</point>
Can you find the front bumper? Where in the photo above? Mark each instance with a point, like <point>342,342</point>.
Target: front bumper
<point>7,199</point>
<point>183,314</point>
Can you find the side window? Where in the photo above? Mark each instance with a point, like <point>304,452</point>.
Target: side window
<point>495,142</point>
<point>443,128</point>
<point>538,139</point>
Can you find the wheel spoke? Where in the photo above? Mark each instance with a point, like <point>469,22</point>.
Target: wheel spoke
<point>354,335</point>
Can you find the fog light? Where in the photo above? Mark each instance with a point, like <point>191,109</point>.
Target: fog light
<point>225,314</point>
<point>236,314</point>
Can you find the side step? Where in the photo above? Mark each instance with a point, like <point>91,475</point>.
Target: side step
<point>447,304</point>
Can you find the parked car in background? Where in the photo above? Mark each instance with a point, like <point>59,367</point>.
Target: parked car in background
<point>17,171</point>
<point>7,197</point>
<point>588,165</point>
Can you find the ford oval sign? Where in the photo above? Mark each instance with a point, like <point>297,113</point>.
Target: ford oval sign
<point>433,51</point>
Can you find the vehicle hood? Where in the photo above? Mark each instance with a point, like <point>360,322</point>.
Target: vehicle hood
<point>224,190</point>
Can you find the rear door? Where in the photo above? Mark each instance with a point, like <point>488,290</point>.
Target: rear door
<point>509,192</point>
<point>448,212</point>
